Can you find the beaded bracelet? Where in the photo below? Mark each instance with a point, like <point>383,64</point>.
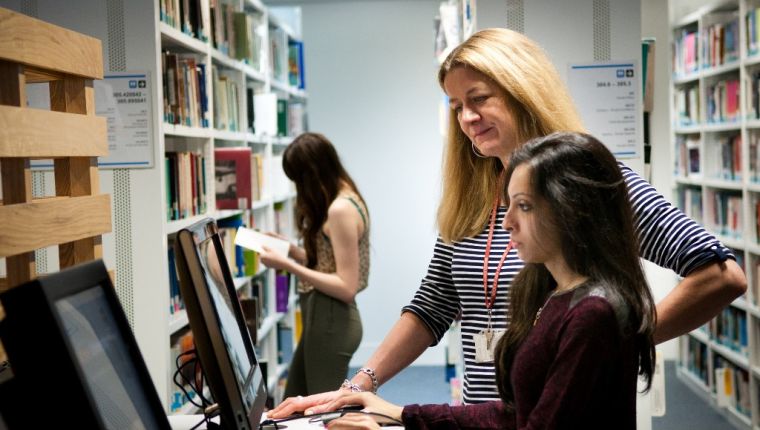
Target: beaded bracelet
<point>371,373</point>
<point>351,386</point>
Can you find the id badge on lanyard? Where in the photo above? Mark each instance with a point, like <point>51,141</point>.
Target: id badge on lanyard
<point>486,340</point>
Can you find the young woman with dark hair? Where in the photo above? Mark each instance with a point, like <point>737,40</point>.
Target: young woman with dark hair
<point>582,315</point>
<point>332,267</point>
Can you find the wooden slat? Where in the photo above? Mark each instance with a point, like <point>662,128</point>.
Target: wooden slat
<point>35,75</point>
<point>17,191</point>
<point>17,180</point>
<point>37,43</point>
<point>52,221</point>
<point>12,84</point>
<point>45,134</point>
<point>21,268</point>
<point>73,253</point>
<point>76,176</point>
<point>73,95</point>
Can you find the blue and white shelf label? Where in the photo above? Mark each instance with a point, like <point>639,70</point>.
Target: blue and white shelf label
<point>124,98</point>
<point>607,95</point>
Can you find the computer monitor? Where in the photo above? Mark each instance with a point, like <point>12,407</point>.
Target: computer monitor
<point>222,341</point>
<point>74,357</point>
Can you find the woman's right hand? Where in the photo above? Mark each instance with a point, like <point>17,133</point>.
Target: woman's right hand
<point>308,405</point>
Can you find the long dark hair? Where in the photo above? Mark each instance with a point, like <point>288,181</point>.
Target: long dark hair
<point>313,164</point>
<point>586,199</point>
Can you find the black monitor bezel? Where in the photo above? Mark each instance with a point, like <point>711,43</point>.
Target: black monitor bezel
<point>204,323</point>
<point>27,332</point>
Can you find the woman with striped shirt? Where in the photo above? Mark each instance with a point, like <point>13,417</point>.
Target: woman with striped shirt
<point>504,91</point>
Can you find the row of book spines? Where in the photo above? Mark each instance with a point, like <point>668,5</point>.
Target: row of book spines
<point>185,184</point>
<point>690,202</point>
<point>291,118</point>
<point>753,31</point>
<point>729,328</point>
<point>184,97</point>
<point>696,358</point>
<point>726,214</point>
<point>184,15</point>
<point>720,44</point>
<point>729,152</point>
<point>731,386</point>
<point>226,102</point>
<point>685,58</point>
<point>687,105</point>
<point>723,102</point>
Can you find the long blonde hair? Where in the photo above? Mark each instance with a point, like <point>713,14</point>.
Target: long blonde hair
<point>537,99</point>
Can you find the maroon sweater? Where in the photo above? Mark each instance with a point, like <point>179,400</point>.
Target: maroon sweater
<point>575,369</point>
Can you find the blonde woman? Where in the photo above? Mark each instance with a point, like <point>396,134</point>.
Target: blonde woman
<point>504,91</point>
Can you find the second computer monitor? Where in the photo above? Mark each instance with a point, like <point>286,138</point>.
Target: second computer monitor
<point>216,319</point>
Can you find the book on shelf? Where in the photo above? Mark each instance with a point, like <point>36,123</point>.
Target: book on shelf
<point>250,110</point>
<point>284,343</point>
<point>226,101</point>
<point>729,157</point>
<point>186,184</point>
<point>295,64</point>
<point>257,176</point>
<point>687,105</point>
<point>184,15</point>
<point>232,170</point>
<point>685,58</point>
<point>265,108</point>
<point>184,95</point>
<point>176,303</point>
<point>228,231</point>
<point>282,117</point>
<point>282,290</point>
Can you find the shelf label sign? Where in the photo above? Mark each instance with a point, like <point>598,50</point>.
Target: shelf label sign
<point>607,95</point>
<point>124,98</point>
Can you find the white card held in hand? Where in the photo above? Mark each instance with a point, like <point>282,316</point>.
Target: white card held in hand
<point>256,241</point>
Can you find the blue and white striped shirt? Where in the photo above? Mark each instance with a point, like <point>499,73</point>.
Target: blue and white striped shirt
<point>454,280</point>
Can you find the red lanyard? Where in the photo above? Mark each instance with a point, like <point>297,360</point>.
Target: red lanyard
<point>491,298</point>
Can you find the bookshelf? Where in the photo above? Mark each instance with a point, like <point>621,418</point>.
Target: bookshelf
<point>224,90</point>
<point>254,106</point>
<point>715,135</point>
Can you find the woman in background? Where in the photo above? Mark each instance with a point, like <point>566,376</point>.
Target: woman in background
<point>332,267</point>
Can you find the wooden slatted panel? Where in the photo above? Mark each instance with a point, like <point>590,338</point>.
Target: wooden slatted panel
<point>12,84</point>
<point>37,134</point>
<point>37,43</point>
<point>52,221</point>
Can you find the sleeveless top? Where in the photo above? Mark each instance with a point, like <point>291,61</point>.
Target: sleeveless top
<point>326,257</point>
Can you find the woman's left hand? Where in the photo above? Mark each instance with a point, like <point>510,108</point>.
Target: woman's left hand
<point>274,260</point>
<point>371,403</point>
<point>353,421</point>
